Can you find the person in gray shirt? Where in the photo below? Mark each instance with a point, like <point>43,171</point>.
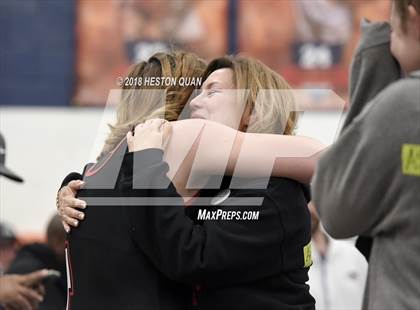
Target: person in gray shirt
<point>368,182</point>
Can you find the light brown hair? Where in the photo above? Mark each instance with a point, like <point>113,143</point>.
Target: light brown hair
<point>138,106</point>
<point>276,111</point>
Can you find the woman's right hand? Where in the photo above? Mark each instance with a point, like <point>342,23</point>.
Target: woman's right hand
<point>154,133</point>
<point>67,205</point>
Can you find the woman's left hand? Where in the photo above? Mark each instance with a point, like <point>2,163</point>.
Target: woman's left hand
<point>154,133</point>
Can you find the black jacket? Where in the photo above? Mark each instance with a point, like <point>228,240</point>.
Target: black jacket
<point>119,254</point>
<point>235,264</point>
<point>107,269</point>
<point>39,256</point>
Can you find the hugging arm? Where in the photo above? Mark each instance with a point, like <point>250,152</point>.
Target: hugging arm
<point>67,203</point>
<point>222,150</point>
<point>218,149</point>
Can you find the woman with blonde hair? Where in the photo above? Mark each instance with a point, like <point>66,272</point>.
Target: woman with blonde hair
<point>106,270</point>
<point>141,101</point>
<point>217,252</point>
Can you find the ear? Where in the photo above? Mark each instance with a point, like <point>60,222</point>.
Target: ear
<point>414,20</point>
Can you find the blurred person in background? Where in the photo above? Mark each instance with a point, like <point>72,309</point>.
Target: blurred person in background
<point>5,171</point>
<point>8,247</point>
<point>46,256</point>
<point>23,292</point>
<point>338,274</point>
<point>8,241</point>
<point>367,183</point>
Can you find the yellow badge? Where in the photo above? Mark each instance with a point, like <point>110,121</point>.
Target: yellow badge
<point>307,256</point>
<point>410,159</point>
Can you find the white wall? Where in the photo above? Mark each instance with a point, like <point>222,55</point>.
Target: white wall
<point>45,144</point>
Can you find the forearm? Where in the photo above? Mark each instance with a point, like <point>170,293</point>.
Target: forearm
<point>262,155</point>
<point>219,150</point>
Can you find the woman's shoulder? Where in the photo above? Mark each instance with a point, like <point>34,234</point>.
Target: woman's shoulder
<point>397,103</point>
<point>400,95</point>
<point>196,125</point>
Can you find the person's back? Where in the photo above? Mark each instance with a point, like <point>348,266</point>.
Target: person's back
<point>286,204</point>
<point>382,147</point>
<point>394,266</point>
<point>107,270</point>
